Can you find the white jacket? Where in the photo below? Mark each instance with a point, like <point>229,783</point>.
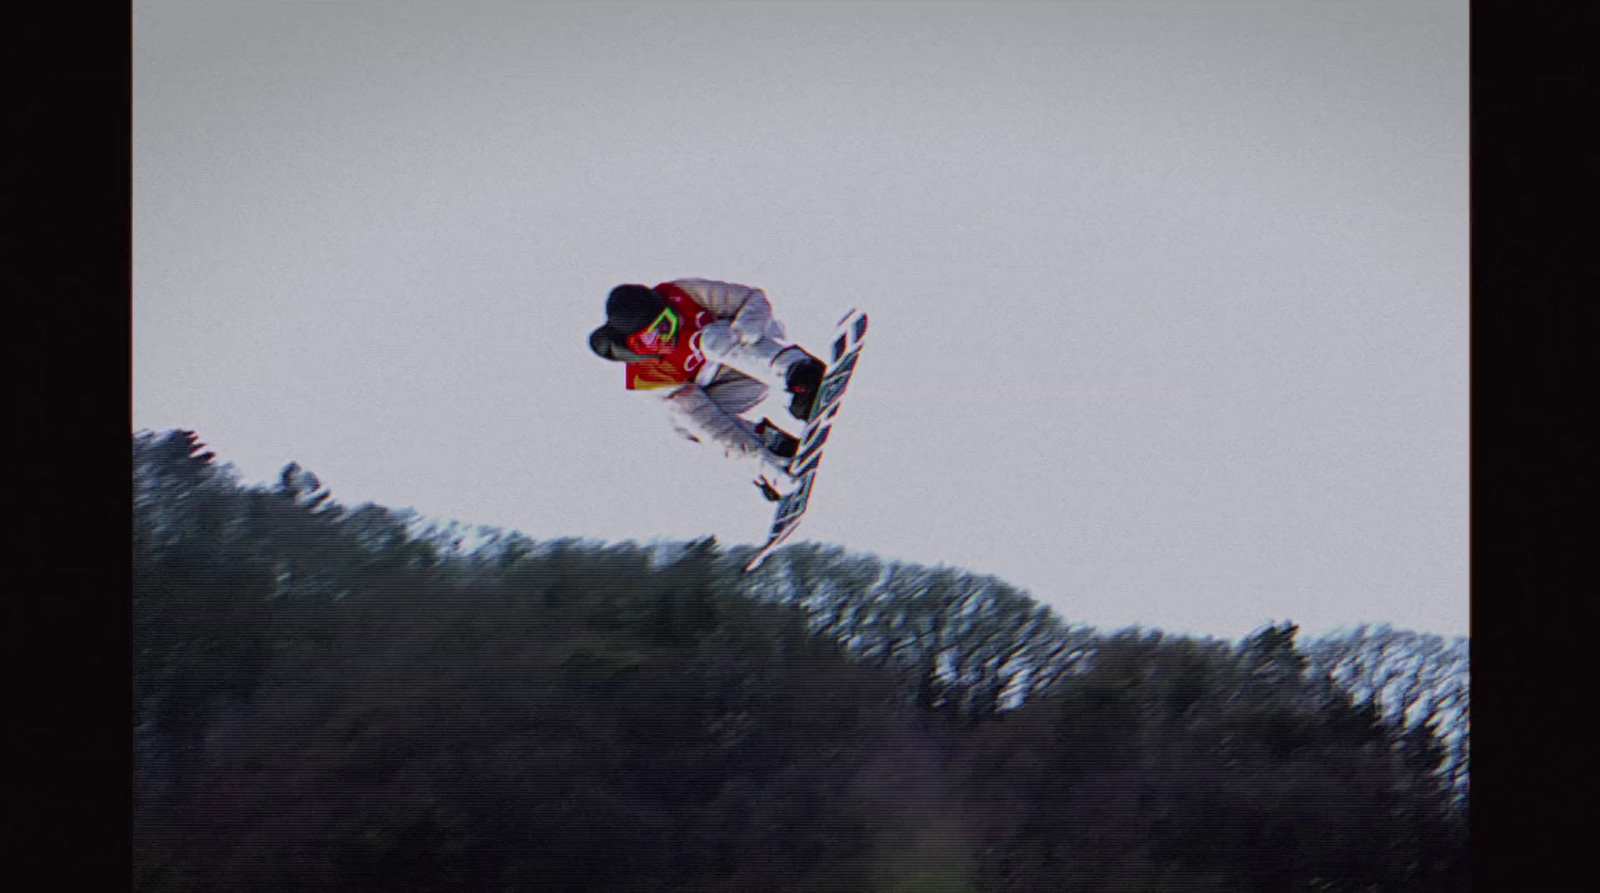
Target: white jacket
<point>747,309</point>
<point>746,345</point>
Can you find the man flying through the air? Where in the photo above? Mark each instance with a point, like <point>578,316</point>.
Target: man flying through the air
<point>711,350</point>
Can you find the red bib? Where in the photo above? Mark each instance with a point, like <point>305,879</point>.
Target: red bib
<point>679,365</point>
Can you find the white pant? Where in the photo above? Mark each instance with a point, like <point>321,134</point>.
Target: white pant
<point>710,409</point>
<point>766,359</point>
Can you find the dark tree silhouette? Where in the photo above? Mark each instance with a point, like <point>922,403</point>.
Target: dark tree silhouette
<point>333,698</point>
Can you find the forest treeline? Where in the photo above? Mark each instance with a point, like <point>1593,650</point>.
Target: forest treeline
<point>333,698</point>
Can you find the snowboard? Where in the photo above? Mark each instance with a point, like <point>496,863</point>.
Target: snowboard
<point>843,353</point>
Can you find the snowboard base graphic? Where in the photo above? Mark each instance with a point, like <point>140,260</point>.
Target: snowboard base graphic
<point>844,351</point>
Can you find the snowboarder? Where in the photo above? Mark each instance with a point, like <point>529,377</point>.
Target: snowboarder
<point>712,351</point>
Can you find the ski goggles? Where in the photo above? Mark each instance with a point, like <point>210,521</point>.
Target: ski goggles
<point>656,337</point>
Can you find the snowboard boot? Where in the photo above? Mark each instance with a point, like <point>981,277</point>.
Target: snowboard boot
<point>780,447</point>
<point>803,380</point>
<point>776,440</point>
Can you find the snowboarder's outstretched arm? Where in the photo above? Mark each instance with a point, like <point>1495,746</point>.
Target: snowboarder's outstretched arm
<point>747,308</point>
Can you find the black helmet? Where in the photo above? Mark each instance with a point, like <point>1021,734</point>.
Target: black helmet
<point>630,308</point>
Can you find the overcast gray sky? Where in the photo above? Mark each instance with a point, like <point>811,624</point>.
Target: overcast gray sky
<point>1169,298</point>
